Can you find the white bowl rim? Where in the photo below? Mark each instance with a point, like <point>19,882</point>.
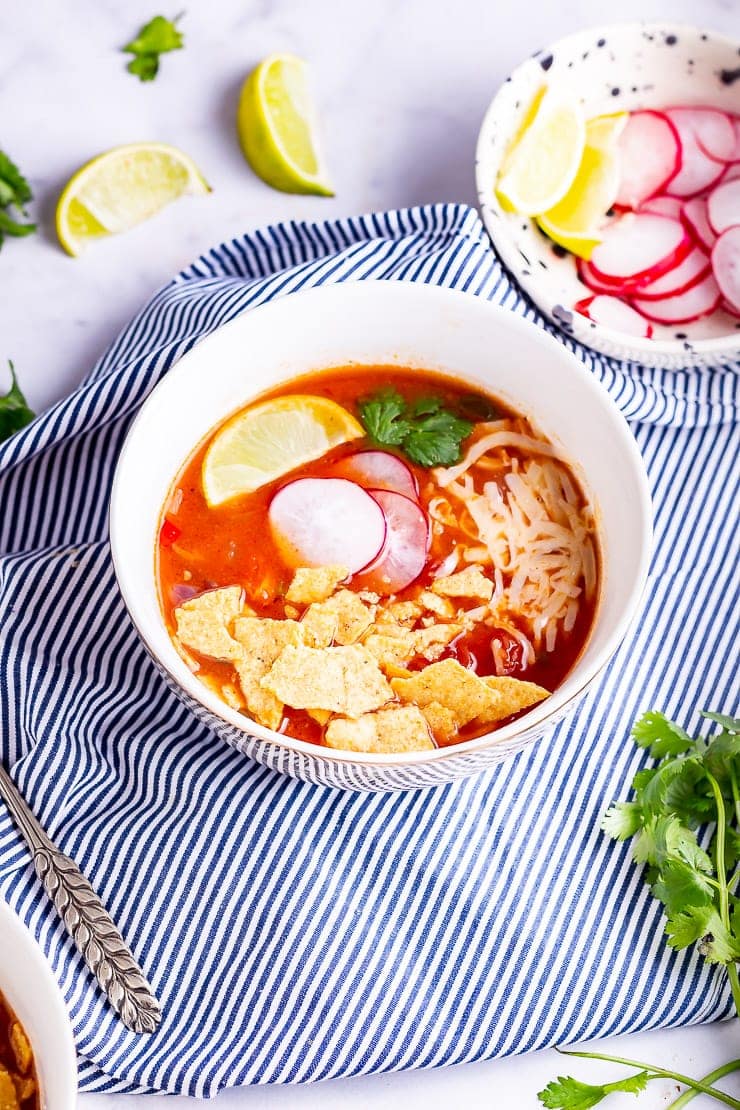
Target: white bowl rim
<point>719,345</point>
<point>535,717</point>
<point>53,1002</point>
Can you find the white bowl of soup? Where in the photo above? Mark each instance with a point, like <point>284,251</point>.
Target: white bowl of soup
<point>38,1063</point>
<point>380,535</point>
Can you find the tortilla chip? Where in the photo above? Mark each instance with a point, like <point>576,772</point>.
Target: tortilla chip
<point>399,729</point>
<point>320,716</point>
<point>21,1047</point>
<point>315,584</point>
<point>292,612</point>
<point>471,582</point>
<point>514,695</point>
<point>203,623</point>
<point>403,612</point>
<point>231,695</point>
<point>346,680</point>
<point>431,642</point>
<point>391,649</point>
<point>440,606</point>
<point>262,642</point>
<point>453,686</point>
<point>441,721</point>
<point>8,1097</point>
<point>343,619</point>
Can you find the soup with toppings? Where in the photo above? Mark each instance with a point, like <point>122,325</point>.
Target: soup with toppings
<point>378,559</point>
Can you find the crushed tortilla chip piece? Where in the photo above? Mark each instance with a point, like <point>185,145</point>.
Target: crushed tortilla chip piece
<point>431,642</point>
<point>8,1096</point>
<point>441,720</point>
<point>345,680</point>
<point>342,619</point>
<point>203,623</point>
<point>452,685</point>
<point>515,694</point>
<point>292,612</point>
<point>231,695</point>
<point>315,584</point>
<point>391,649</point>
<point>440,606</point>
<point>403,612</point>
<point>471,582</point>
<point>320,716</point>
<point>21,1047</point>
<point>262,642</point>
<point>399,729</point>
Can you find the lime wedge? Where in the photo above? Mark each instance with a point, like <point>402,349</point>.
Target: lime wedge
<point>575,221</point>
<point>542,164</point>
<point>277,127</point>
<point>120,188</point>
<point>259,445</point>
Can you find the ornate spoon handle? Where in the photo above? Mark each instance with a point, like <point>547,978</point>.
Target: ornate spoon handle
<point>87,921</point>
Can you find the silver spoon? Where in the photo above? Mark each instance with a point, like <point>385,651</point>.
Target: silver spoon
<point>86,920</point>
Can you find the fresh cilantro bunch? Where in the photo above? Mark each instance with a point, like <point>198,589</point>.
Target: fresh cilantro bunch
<point>14,411</point>
<point>15,192</point>
<point>158,36</point>
<point>428,433</point>
<point>684,821</point>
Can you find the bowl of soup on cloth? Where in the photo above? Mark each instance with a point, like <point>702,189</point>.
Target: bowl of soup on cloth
<point>380,535</point>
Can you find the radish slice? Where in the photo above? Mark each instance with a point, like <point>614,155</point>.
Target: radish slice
<point>405,553</point>
<point>726,266</point>
<point>732,173</point>
<point>589,278</point>
<point>696,219</point>
<point>736,151</point>
<point>723,206</point>
<point>650,155</point>
<point>699,169</point>
<point>322,522</point>
<point>691,271</point>
<point>613,313</point>
<point>640,246</point>
<point>727,307</point>
<point>379,470</point>
<point>663,206</point>
<point>684,308</point>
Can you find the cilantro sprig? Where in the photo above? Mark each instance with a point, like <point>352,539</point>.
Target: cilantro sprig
<point>426,431</point>
<point>158,36</point>
<point>14,410</point>
<point>15,193</point>
<point>684,823</point>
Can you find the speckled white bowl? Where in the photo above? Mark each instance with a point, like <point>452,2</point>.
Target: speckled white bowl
<point>622,67</point>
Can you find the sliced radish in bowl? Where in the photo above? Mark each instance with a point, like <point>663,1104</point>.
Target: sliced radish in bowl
<point>319,522</point>
<point>723,206</point>
<point>690,271</point>
<point>700,131</point>
<point>683,308</point>
<point>650,155</point>
<point>663,206</point>
<point>726,265</point>
<point>378,470</point>
<point>639,248</point>
<point>405,552</point>
<point>614,313</point>
<point>696,219</point>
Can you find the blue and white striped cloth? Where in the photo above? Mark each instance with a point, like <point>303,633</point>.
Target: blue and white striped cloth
<point>294,932</point>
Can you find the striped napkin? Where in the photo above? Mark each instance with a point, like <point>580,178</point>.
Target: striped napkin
<point>295,932</point>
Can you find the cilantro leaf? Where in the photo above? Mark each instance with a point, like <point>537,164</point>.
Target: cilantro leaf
<point>158,36</point>
<point>731,724</point>
<point>703,924</point>
<point>14,411</point>
<point>680,885</point>
<point>428,433</point>
<point>661,736</point>
<point>15,192</point>
<point>664,838</point>
<point>567,1093</point>
<point>622,820</point>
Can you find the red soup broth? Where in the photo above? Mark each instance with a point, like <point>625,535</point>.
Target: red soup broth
<point>203,547</point>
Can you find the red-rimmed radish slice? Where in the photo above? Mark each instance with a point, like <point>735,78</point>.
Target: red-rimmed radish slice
<point>640,246</point>
<point>378,470</point>
<point>596,284</point>
<point>322,522</point>
<point>663,206</point>
<point>732,173</point>
<point>699,169</point>
<point>407,542</point>
<point>713,129</point>
<point>691,271</point>
<point>614,313</point>
<point>683,308</point>
<point>650,155</point>
<point>727,307</point>
<point>723,206</point>
<point>736,152</point>
<point>726,266</point>
<point>696,219</point>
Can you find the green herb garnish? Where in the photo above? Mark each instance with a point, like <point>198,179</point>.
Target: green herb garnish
<point>15,192</point>
<point>694,786</point>
<point>14,411</point>
<point>158,36</point>
<point>428,433</point>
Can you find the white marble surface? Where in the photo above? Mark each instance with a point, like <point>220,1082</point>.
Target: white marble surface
<point>402,86</point>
